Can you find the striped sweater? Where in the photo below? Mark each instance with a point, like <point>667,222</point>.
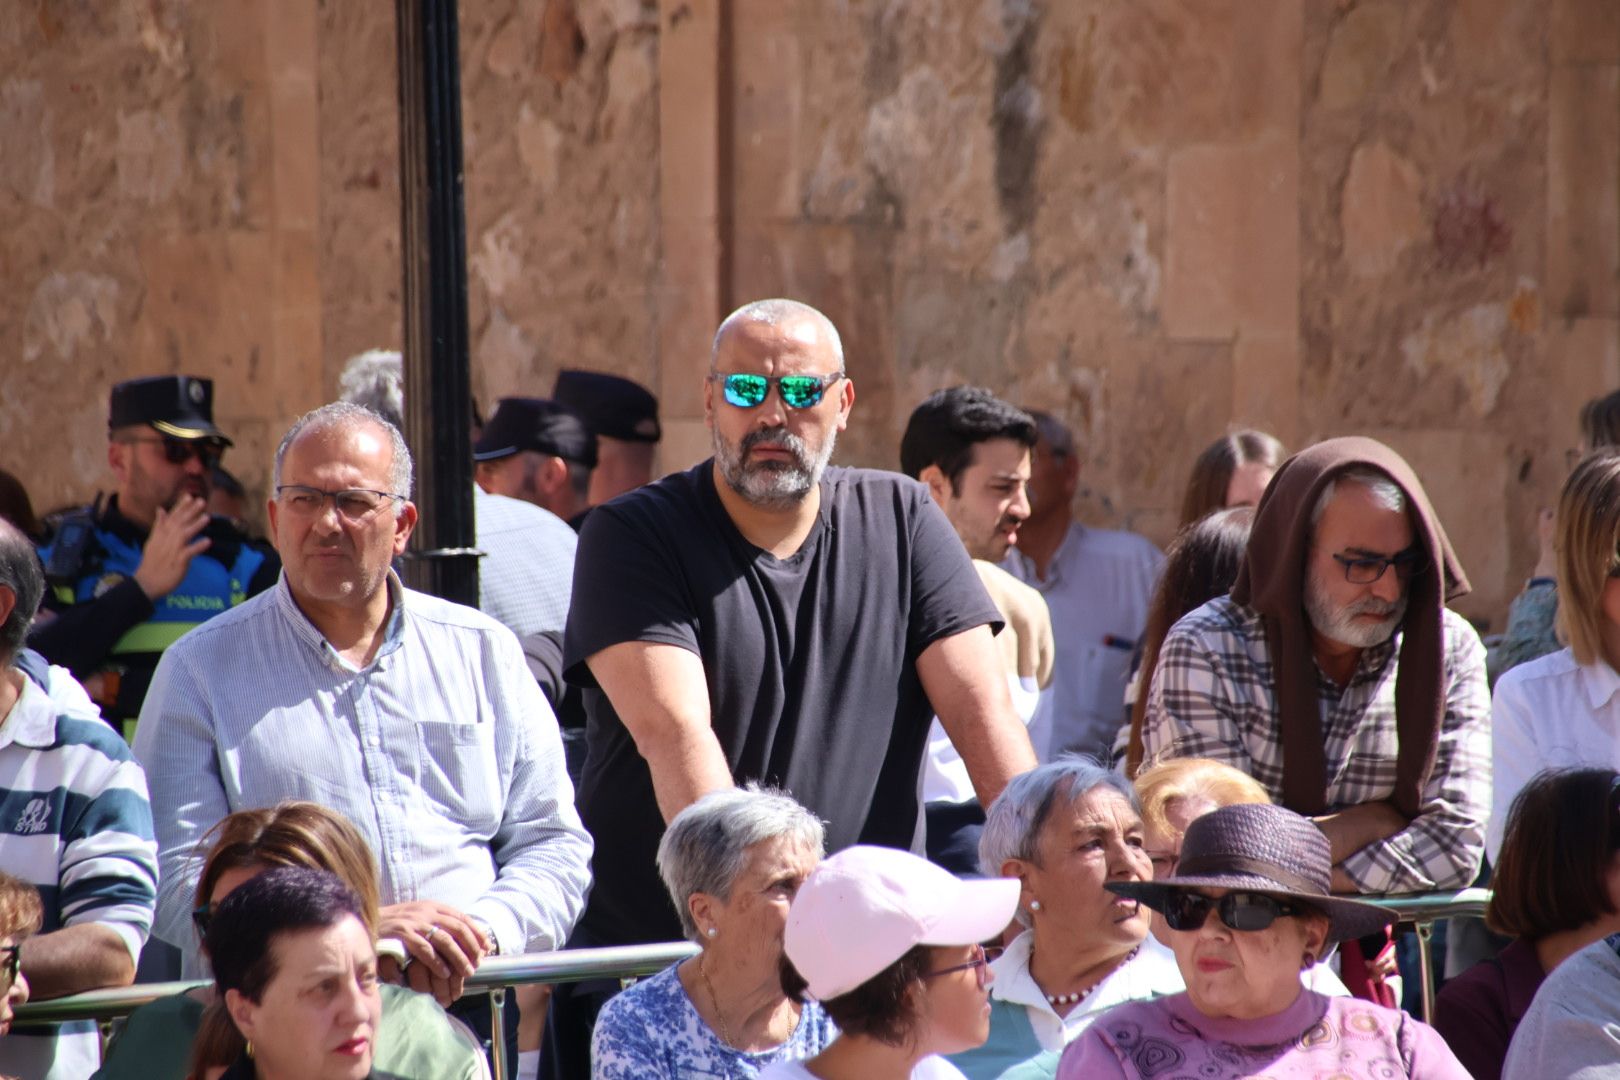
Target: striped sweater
<point>75,823</point>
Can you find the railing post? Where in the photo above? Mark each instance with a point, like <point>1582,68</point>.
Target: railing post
<point>1426,967</point>
<point>497,1031</point>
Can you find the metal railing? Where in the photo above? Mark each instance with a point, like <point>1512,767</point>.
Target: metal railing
<point>1423,910</point>
<point>497,973</point>
<point>494,976</point>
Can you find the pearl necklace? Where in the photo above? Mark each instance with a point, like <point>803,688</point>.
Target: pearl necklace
<point>1080,995</point>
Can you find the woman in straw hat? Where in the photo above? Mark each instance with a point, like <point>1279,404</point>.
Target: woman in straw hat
<point>1249,907</point>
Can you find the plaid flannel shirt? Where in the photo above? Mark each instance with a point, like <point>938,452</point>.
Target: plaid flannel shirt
<point>1212,697</point>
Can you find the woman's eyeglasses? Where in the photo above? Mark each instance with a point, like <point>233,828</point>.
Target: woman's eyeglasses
<point>798,391</point>
<point>980,965</point>
<point>1245,911</point>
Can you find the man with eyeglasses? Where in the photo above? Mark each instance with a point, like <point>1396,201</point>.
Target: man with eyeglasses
<point>76,825</point>
<point>415,718</point>
<point>130,575</point>
<point>762,616</point>
<point>1336,676</point>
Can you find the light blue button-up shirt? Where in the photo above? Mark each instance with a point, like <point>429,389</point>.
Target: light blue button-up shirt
<point>442,751</point>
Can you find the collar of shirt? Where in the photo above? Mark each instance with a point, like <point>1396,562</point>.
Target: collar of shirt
<point>1054,566</point>
<point>1601,682</point>
<point>310,634</point>
<point>31,721</point>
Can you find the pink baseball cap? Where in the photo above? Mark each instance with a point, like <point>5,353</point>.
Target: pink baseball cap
<point>864,908</point>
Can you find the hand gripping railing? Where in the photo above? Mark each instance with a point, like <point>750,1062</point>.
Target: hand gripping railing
<point>497,973</point>
<point>494,976</point>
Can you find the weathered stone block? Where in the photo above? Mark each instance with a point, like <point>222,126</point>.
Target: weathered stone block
<point>1382,212</point>
<point>1585,32</point>
<point>1232,241</point>
<point>1583,174</point>
<point>1265,386</point>
<point>1365,45</point>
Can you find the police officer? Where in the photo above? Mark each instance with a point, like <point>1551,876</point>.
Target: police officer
<point>623,415</point>
<point>129,577</point>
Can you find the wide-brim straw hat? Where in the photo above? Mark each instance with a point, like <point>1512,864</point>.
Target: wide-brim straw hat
<point>1263,849</point>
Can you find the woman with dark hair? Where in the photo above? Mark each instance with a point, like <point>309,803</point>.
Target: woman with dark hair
<point>296,968</point>
<point>417,1038</point>
<point>1202,563</point>
<point>1556,890</point>
<point>1232,471</point>
<point>890,944</point>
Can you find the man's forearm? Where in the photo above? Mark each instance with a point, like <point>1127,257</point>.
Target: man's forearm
<point>1001,751</point>
<point>686,764</point>
<point>1353,828</point>
<point>76,958</point>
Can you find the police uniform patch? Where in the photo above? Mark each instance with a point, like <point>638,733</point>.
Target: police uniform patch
<point>107,584</point>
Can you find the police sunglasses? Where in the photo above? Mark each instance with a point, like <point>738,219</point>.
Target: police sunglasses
<point>1245,911</point>
<point>798,391</point>
<point>180,451</point>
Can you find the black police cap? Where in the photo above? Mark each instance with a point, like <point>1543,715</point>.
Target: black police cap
<point>614,407</point>
<point>536,424</point>
<point>180,406</point>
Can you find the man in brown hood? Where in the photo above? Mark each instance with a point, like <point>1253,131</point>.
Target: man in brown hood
<point>1335,675</point>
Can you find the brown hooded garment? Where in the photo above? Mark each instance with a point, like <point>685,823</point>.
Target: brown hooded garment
<point>1272,582</point>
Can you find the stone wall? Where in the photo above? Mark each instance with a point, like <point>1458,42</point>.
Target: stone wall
<point>1158,218</point>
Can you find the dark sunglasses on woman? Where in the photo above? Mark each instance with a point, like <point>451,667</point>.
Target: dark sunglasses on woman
<point>1245,911</point>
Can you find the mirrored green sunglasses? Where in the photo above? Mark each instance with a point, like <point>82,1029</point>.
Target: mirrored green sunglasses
<point>798,391</point>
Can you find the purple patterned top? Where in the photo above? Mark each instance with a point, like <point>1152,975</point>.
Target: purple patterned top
<point>1315,1038</point>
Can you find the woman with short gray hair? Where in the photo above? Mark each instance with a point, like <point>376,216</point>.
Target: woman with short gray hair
<point>1066,830</point>
<point>732,862</point>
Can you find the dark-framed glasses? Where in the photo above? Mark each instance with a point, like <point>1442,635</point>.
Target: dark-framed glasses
<point>10,964</point>
<point>1245,911</point>
<point>980,965</point>
<point>798,391</point>
<point>352,504</point>
<point>1366,569</point>
<point>180,451</point>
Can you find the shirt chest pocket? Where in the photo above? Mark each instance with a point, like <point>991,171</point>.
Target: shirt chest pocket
<point>460,772</point>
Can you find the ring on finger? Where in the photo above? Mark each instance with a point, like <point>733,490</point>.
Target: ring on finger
<point>430,931</point>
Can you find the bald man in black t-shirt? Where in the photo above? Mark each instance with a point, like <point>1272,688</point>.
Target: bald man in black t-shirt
<point>763,617</point>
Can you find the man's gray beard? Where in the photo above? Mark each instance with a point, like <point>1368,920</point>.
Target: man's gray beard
<point>771,485</point>
<point>1339,624</point>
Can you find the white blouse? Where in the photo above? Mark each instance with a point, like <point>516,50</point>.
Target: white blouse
<point>1549,713</point>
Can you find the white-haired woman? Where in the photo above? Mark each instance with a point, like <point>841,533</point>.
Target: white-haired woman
<point>1066,830</point>
<point>732,862</point>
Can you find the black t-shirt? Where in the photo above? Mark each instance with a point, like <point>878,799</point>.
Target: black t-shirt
<point>810,662</point>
